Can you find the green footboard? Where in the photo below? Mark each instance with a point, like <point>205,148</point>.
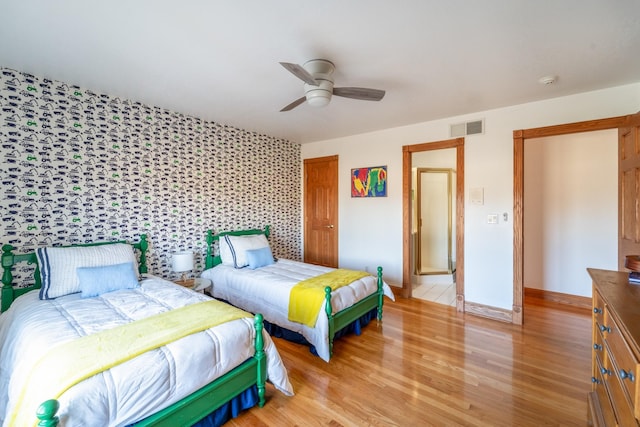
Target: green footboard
<point>201,403</point>
<point>345,317</point>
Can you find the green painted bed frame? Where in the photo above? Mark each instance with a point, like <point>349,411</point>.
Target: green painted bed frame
<point>336,321</point>
<point>186,411</point>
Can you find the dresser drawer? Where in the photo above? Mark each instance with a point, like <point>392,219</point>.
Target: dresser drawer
<point>598,322</point>
<point>598,341</point>
<point>605,415</point>
<point>621,404</point>
<point>624,363</point>
<point>598,307</point>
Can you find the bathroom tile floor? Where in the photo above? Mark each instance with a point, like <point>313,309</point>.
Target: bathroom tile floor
<point>440,293</point>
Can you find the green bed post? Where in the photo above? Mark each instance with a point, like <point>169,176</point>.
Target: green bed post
<point>7,277</point>
<point>143,246</point>
<point>329,310</point>
<point>380,294</point>
<point>261,367</point>
<point>208,261</point>
<point>46,413</point>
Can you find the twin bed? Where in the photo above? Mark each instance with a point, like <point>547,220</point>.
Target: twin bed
<point>245,273</point>
<point>204,369</point>
<point>168,355</point>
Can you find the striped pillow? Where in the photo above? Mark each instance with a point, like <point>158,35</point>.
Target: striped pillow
<point>58,265</point>
<point>234,249</point>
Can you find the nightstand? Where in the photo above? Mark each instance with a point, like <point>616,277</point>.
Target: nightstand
<point>198,284</point>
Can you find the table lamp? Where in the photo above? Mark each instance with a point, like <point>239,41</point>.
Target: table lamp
<point>181,262</point>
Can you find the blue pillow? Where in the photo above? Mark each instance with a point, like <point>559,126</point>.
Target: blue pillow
<point>259,257</point>
<point>95,281</point>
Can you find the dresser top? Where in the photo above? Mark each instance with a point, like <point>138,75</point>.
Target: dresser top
<point>622,298</point>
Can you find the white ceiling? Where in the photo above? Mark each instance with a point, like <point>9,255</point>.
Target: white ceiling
<point>218,60</point>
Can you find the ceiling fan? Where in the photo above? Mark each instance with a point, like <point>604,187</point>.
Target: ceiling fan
<point>318,85</point>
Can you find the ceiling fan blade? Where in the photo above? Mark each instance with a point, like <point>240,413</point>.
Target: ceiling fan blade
<point>300,72</point>
<point>294,104</point>
<point>362,93</point>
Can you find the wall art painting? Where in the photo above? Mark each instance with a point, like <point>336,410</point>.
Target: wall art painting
<point>369,182</point>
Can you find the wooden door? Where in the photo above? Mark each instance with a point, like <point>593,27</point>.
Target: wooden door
<point>629,189</point>
<point>321,211</point>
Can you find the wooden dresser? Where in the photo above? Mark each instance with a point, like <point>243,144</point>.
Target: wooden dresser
<point>615,396</point>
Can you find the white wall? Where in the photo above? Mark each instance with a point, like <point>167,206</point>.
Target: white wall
<point>371,228</point>
<point>570,210</point>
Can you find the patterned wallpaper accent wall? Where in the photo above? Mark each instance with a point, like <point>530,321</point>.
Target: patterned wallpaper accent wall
<point>78,166</point>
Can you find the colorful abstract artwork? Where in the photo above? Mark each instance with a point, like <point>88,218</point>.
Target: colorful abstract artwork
<point>369,182</point>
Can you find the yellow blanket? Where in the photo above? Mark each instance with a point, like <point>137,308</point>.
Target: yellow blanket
<point>305,299</point>
<point>96,353</point>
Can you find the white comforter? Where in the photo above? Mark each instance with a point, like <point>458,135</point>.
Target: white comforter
<point>266,290</point>
<point>141,386</point>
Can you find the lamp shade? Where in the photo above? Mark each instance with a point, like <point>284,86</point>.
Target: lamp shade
<point>182,261</point>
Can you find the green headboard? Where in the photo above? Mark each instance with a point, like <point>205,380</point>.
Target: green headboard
<point>210,259</point>
<point>9,259</point>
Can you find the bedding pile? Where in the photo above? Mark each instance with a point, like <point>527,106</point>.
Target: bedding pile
<point>138,387</point>
<point>267,290</point>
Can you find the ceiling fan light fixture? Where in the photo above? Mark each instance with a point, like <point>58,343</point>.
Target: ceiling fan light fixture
<point>318,85</point>
<point>318,97</point>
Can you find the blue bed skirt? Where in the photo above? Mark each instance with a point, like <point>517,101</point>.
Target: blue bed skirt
<point>231,409</point>
<point>245,400</point>
<point>353,327</point>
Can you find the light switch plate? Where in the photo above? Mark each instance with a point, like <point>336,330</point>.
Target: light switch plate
<point>492,219</point>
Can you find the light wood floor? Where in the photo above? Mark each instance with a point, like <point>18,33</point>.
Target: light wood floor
<point>428,365</point>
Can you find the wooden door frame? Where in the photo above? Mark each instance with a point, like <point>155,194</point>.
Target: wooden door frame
<point>407,151</point>
<point>519,138</point>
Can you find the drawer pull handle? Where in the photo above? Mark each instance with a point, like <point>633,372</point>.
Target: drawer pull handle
<point>597,310</point>
<point>597,347</point>
<point>605,328</point>
<point>627,375</point>
<point>605,371</point>
<point>595,380</point>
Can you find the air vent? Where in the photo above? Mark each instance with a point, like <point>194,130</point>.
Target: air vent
<point>467,128</point>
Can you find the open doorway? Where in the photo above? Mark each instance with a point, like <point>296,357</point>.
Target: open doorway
<point>519,138</point>
<point>571,214</point>
<point>433,225</point>
<point>410,221</point>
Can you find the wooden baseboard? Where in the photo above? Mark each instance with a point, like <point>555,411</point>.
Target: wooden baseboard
<point>560,298</point>
<point>494,313</point>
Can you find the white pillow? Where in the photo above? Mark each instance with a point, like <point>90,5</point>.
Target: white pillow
<point>225,252</point>
<point>58,265</point>
<point>233,251</point>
